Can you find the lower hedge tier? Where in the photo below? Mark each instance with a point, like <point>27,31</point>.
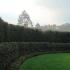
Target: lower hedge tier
<point>10,51</point>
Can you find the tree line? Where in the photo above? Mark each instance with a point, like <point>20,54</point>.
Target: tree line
<point>16,33</point>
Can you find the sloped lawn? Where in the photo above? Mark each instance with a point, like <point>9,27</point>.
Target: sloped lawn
<point>58,61</point>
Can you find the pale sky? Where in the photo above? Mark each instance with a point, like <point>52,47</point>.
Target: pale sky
<point>42,11</point>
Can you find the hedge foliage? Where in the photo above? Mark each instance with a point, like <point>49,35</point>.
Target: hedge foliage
<point>15,33</point>
<point>10,51</point>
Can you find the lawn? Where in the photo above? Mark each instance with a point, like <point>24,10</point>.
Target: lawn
<point>58,61</point>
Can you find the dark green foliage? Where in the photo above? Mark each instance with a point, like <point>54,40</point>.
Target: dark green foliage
<point>15,33</point>
<point>28,41</point>
<point>3,30</point>
<point>11,51</point>
<point>8,52</point>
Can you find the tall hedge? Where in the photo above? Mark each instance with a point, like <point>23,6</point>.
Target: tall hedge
<point>15,33</point>
<point>11,51</point>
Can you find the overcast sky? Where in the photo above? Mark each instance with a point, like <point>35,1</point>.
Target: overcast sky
<point>42,11</point>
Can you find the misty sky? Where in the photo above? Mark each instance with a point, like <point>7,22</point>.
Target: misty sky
<point>42,11</point>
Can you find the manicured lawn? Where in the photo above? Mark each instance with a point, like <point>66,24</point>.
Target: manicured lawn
<point>59,61</point>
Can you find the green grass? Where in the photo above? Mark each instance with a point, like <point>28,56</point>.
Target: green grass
<point>59,61</point>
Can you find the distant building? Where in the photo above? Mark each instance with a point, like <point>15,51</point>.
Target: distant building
<point>24,20</point>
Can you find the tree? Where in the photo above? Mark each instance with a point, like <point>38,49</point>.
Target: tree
<point>3,30</point>
<point>24,20</point>
<point>37,26</point>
